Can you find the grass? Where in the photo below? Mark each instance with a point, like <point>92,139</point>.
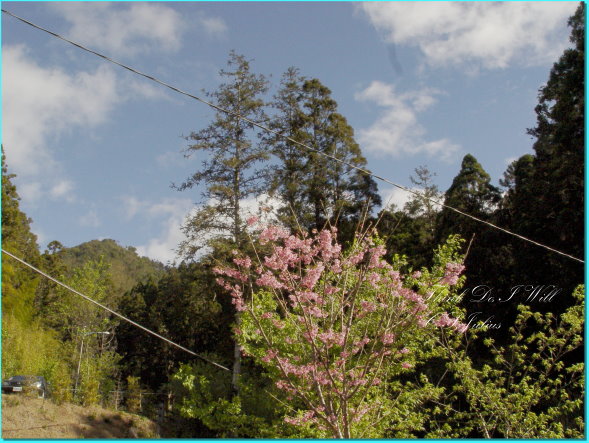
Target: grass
<point>26,417</point>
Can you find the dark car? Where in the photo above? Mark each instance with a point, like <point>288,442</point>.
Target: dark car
<point>26,383</point>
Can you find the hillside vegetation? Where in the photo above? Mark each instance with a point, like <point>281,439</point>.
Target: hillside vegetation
<point>26,417</point>
<point>127,268</point>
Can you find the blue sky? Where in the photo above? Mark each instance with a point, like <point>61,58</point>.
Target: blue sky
<point>95,148</point>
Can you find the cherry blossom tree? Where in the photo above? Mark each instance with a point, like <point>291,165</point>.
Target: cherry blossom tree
<point>333,327</point>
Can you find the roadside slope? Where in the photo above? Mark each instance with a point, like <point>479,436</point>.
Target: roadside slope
<point>25,417</point>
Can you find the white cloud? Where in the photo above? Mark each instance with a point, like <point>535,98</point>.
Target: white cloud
<point>140,87</point>
<point>30,192</point>
<point>170,158</point>
<point>397,131</point>
<point>171,213</point>
<point>39,105</point>
<point>398,197</point>
<point>163,248</point>
<point>394,196</point>
<point>131,206</point>
<point>124,29</point>
<point>90,219</point>
<point>488,34</point>
<point>213,26</point>
<point>63,189</point>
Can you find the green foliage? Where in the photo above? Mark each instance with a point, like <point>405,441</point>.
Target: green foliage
<point>471,192</point>
<point>335,365</point>
<point>548,202</point>
<point>60,378</point>
<point>89,386</point>
<point>27,348</point>
<point>205,394</point>
<point>72,315</point>
<point>530,389</point>
<point>133,394</point>
<point>184,305</point>
<point>125,266</point>
<point>18,282</point>
<point>314,187</point>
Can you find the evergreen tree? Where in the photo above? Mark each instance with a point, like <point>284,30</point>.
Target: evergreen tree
<point>290,173</point>
<point>229,174</point>
<point>550,204</point>
<point>181,305</point>
<point>18,282</point>
<point>313,185</point>
<point>471,192</point>
<point>422,205</point>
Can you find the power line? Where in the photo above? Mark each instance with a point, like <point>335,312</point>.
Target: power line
<point>114,312</point>
<point>272,131</point>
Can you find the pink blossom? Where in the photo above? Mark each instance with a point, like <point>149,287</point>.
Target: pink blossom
<point>312,276</point>
<point>375,254</point>
<point>266,315</point>
<point>452,272</point>
<point>362,342</point>
<point>406,365</point>
<point>327,249</point>
<point>368,306</point>
<point>373,279</point>
<point>270,354</point>
<point>314,311</point>
<point>245,262</point>
<point>269,280</point>
<point>387,339</point>
<point>331,290</point>
<point>332,338</point>
<point>444,320</point>
<point>416,274</point>
<point>252,220</point>
<point>355,259</point>
<point>404,351</point>
<point>460,327</point>
<point>272,233</point>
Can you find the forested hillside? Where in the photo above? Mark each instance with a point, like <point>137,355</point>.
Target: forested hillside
<point>327,315</point>
<point>126,267</point>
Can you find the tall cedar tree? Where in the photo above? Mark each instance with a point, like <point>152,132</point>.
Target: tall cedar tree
<point>315,188</point>
<point>471,192</point>
<point>549,204</point>
<point>229,173</point>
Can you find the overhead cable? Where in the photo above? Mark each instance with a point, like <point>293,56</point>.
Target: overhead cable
<point>38,271</point>
<point>286,137</point>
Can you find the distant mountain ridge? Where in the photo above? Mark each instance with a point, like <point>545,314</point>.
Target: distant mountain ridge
<point>127,268</point>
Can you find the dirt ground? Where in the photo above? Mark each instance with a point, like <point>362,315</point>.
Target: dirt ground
<point>25,417</point>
